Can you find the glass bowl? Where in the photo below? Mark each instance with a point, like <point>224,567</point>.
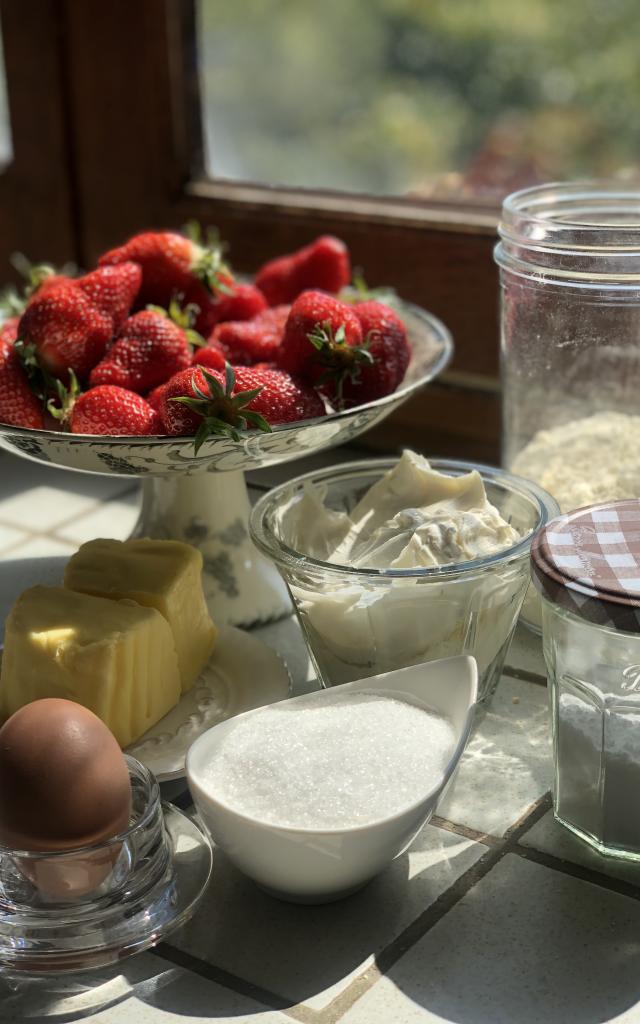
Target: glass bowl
<point>362,622</point>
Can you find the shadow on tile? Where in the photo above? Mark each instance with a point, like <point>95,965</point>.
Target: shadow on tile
<point>526,945</point>
<point>125,992</point>
<point>308,953</point>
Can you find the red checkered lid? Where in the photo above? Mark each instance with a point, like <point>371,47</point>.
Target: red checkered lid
<point>588,562</point>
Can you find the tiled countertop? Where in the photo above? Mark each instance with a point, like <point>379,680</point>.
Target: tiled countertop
<point>494,916</point>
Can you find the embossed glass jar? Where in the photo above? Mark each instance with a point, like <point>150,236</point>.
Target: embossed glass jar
<point>586,566</point>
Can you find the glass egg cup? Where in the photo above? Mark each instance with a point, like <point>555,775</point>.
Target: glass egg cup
<point>72,910</point>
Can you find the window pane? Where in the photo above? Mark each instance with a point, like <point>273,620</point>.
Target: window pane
<point>431,98</point>
<point>6,148</point>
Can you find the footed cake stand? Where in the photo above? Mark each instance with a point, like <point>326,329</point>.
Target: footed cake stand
<point>202,499</point>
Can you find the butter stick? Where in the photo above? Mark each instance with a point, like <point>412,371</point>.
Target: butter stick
<point>161,574</point>
<point>114,657</point>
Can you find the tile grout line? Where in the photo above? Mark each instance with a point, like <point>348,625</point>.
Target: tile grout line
<point>234,983</point>
<point>524,675</point>
<point>464,831</point>
<point>70,520</point>
<point>423,924</point>
<point>579,871</point>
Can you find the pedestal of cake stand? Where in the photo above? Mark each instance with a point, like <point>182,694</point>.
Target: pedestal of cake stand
<point>211,512</point>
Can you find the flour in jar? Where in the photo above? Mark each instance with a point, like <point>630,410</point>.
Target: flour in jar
<point>585,461</point>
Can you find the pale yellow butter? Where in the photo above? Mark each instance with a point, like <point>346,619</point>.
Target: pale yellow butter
<point>114,657</point>
<point>162,574</point>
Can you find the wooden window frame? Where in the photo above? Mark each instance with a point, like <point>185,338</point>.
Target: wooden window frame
<point>129,108</point>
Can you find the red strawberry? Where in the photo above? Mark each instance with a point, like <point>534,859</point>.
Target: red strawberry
<point>8,332</point>
<point>66,329</point>
<point>205,403</point>
<point>322,336</point>
<point>113,290</point>
<point>151,349</point>
<point>322,265</point>
<point>172,265</point>
<point>251,341</point>
<point>387,343</point>
<point>113,411</point>
<point>242,302</point>
<point>154,397</point>
<point>209,356</point>
<point>18,405</point>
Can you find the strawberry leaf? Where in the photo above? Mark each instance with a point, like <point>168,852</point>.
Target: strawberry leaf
<point>256,420</point>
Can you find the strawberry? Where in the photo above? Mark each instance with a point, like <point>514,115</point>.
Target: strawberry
<point>66,329</point>
<point>322,337</point>
<point>114,411</point>
<point>19,407</point>
<point>154,397</point>
<point>113,290</point>
<point>172,265</point>
<point>387,343</point>
<point>323,265</point>
<point>210,356</point>
<point>242,302</point>
<point>150,349</point>
<point>206,403</point>
<point>250,341</point>
<point>8,331</point>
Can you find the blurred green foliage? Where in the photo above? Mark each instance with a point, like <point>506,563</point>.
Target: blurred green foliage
<point>431,97</point>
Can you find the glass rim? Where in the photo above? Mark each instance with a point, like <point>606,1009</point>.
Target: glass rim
<point>578,231</point>
<point>276,549</point>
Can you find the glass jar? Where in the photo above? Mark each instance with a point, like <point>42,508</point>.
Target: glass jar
<point>569,257</point>
<point>586,566</point>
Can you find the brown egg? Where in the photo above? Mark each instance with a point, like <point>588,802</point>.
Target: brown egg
<point>63,779</point>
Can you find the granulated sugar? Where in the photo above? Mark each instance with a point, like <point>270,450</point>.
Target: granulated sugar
<point>330,761</point>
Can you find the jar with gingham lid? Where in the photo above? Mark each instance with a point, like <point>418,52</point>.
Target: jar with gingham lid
<point>586,566</point>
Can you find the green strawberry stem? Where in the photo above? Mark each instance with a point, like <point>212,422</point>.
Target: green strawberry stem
<point>210,267</point>
<point>183,317</point>
<point>61,406</point>
<point>341,361</point>
<point>223,413</point>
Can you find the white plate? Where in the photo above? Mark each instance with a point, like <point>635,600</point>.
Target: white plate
<point>243,673</point>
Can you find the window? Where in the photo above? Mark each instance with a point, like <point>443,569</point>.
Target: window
<point>444,100</point>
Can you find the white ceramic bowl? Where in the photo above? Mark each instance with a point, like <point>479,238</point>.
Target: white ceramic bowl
<point>311,866</point>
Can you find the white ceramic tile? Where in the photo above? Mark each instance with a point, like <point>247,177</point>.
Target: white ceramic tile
<point>525,653</point>
<point>309,954</point>
<point>10,537</point>
<point>20,475</point>
<point>526,946</point>
<point>143,990</point>
<point>41,560</point>
<point>43,507</point>
<point>550,837</point>
<point>507,763</point>
<point>115,518</point>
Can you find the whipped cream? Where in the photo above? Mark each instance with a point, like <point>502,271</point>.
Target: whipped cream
<point>413,517</point>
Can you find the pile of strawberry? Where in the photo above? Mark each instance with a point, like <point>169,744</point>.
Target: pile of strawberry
<point>162,339</point>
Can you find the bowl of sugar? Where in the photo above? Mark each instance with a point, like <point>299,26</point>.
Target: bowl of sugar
<point>314,796</point>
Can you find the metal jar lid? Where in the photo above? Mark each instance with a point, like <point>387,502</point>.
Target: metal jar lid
<point>588,562</point>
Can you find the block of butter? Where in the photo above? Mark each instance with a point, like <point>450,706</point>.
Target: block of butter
<point>162,574</point>
<point>114,657</point>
